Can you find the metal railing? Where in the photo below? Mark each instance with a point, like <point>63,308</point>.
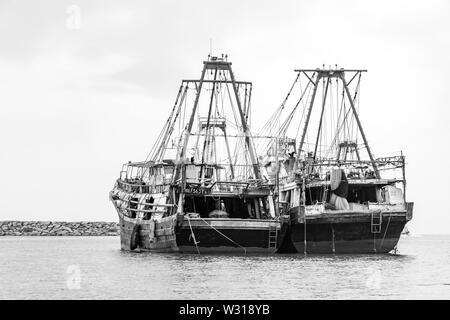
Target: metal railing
<point>142,187</point>
<point>359,169</point>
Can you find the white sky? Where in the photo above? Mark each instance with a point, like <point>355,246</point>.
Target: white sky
<point>77,103</point>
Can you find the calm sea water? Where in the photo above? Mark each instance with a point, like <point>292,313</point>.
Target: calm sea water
<point>96,268</point>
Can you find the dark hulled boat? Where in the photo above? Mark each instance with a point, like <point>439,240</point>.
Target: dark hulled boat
<point>195,194</point>
<point>200,189</point>
<point>335,201</point>
<point>348,231</point>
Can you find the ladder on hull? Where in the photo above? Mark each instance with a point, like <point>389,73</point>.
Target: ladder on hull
<point>273,235</point>
<point>376,220</point>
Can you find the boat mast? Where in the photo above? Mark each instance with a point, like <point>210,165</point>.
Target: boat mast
<point>322,73</point>
<point>321,117</point>
<point>228,152</point>
<point>217,64</point>
<point>187,132</point>
<point>245,127</point>
<point>375,167</point>
<point>305,128</point>
<point>208,137</point>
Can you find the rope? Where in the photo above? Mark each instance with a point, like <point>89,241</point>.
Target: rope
<point>385,231</point>
<point>245,250</point>
<point>193,235</point>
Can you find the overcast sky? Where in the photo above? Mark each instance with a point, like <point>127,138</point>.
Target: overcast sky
<point>79,97</point>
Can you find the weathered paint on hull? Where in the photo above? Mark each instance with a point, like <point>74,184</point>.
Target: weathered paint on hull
<point>212,235</point>
<point>324,236</point>
<point>162,241</point>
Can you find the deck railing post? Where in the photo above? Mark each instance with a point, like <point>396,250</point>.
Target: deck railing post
<point>303,198</point>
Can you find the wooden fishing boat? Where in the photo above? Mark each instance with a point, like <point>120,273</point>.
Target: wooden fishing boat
<point>200,189</point>
<point>336,201</point>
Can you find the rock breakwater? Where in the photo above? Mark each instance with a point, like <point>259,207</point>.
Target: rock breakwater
<point>51,228</point>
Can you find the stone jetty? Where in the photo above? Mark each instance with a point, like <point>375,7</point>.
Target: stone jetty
<point>52,228</point>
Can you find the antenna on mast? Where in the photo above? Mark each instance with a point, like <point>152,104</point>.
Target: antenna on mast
<point>210,46</point>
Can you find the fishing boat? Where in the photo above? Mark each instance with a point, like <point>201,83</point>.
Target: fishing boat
<point>338,196</point>
<point>200,189</point>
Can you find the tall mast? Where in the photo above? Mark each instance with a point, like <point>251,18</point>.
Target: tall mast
<point>321,117</point>
<point>217,65</point>
<point>305,128</point>
<point>340,74</point>
<point>228,152</point>
<point>207,124</point>
<point>187,132</point>
<point>245,128</point>
<point>375,167</point>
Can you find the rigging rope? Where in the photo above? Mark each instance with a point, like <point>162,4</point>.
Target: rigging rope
<point>192,234</point>
<point>245,250</point>
<point>268,126</point>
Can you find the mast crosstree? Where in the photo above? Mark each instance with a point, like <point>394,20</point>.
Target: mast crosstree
<point>324,78</point>
<point>223,76</point>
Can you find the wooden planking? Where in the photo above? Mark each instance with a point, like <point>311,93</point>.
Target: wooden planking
<point>164,238</point>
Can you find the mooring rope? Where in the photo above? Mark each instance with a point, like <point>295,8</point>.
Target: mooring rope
<point>192,234</point>
<point>245,250</point>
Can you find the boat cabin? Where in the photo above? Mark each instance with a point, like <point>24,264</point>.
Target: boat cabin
<point>255,207</point>
<point>355,192</point>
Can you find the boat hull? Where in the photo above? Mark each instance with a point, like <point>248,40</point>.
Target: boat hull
<point>338,233</point>
<point>228,236</point>
<point>347,233</point>
<point>148,234</point>
<point>211,235</point>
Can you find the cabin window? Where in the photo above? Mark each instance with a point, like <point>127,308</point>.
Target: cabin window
<point>316,194</point>
<point>247,208</point>
<point>359,194</point>
<point>209,171</point>
<point>192,173</point>
<point>168,170</point>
